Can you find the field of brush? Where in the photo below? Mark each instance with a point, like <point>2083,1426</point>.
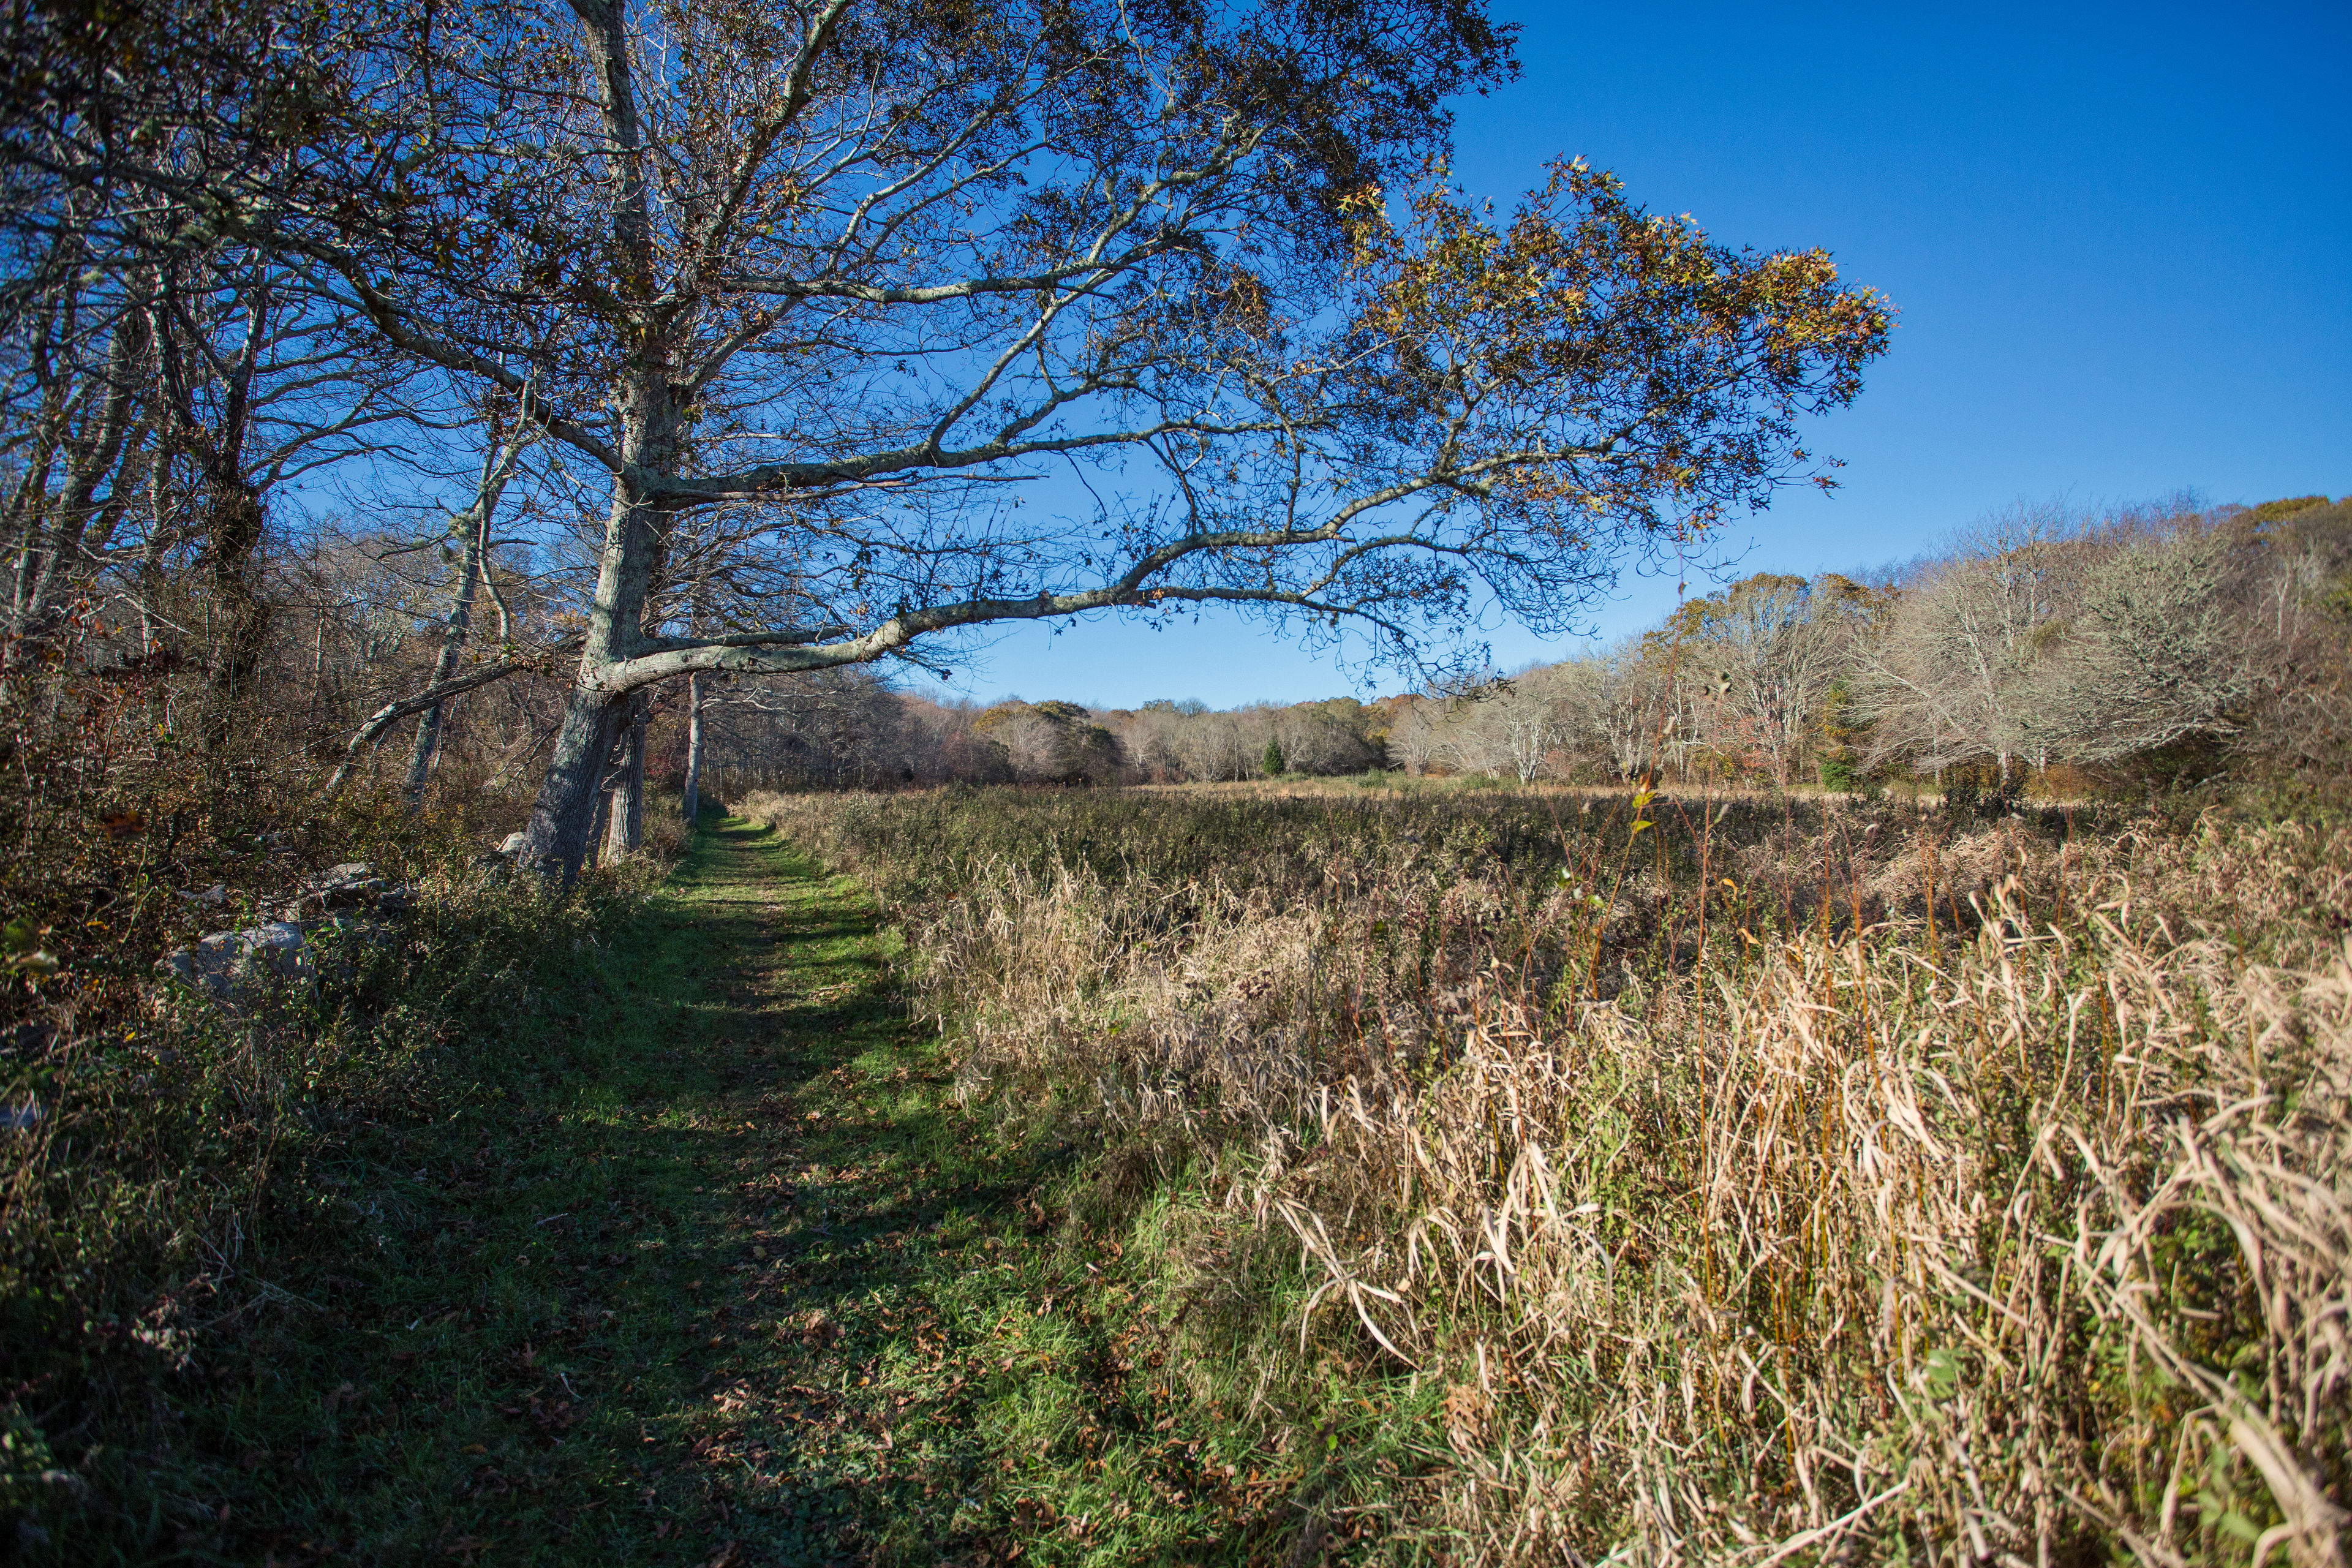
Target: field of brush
<point>1689,1179</point>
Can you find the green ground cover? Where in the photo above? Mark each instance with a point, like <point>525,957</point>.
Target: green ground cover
<point>698,1261</point>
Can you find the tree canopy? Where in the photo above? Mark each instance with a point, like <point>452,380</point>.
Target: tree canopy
<point>973,313</point>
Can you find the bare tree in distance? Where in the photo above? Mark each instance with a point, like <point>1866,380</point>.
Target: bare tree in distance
<point>2160,646</point>
<point>1955,675</point>
<point>1416,737</point>
<point>2263,621</point>
<point>1767,649</point>
<point>1613,704</point>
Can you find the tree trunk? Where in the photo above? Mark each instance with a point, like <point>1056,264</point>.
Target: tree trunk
<point>236,524</point>
<point>600,833</point>
<point>692,806</point>
<point>557,841</point>
<point>235,517</point>
<point>634,783</point>
<point>90,461</point>
<point>475,529</point>
<point>626,818</point>
<point>452,647</point>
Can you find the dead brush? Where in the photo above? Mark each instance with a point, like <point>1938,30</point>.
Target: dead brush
<point>1865,1258</point>
<point>2011,1226</point>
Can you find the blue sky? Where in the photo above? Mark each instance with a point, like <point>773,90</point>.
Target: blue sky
<point>2120,239</point>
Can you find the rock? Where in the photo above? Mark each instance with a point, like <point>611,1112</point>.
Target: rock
<point>352,888</point>
<point>352,885</point>
<point>357,895</point>
<point>512,847</point>
<point>238,968</point>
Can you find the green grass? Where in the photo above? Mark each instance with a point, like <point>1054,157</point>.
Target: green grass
<point>697,1255</point>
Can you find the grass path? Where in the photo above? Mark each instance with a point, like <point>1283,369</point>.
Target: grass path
<point>740,1284</point>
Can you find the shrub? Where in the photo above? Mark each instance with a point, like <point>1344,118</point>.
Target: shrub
<point>157,1149</point>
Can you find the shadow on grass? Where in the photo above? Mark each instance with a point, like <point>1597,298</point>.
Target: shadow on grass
<point>688,1257</point>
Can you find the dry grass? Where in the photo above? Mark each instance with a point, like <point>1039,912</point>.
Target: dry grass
<point>1756,1187</point>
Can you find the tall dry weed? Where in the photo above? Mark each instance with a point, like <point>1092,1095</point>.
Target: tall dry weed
<point>2008,1223</point>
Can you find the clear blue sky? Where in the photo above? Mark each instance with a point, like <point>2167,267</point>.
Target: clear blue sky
<point>2120,239</point>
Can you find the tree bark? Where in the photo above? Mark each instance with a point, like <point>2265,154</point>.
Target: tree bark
<point>626,820</point>
<point>558,840</point>
<point>599,831</point>
<point>692,805</point>
<point>235,526</point>
<point>636,782</point>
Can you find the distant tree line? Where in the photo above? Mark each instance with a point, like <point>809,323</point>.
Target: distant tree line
<point>2159,644</point>
<point>856,732</point>
<point>2167,643</point>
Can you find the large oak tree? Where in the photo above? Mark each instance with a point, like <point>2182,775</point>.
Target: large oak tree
<point>1007,310</point>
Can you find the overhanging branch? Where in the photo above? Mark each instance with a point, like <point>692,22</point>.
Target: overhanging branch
<point>391,714</point>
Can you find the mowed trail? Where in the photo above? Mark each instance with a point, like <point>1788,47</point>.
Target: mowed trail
<point>859,1334</point>
<point>833,1421</point>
